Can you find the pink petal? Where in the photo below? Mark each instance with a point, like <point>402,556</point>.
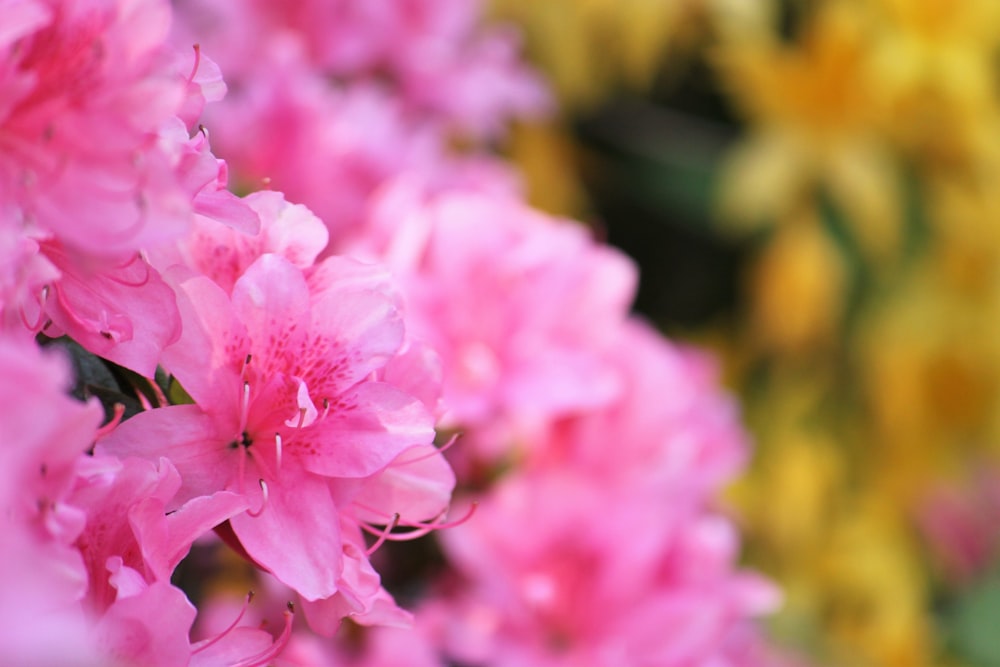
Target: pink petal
<point>212,346</point>
<point>185,435</point>
<point>297,536</point>
<point>417,486</point>
<point>150,628</point>
<point>165,539</point>
<point>364,431</point>
<point>272,300</point>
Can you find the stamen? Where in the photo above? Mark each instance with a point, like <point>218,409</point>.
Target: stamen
<point>384,536</point>
<point>128,283</point>
<point>37,326</point>
<point>438,450</point>
<point>202,645</point>
<point>326,408</point>
<point>245,406</point>
<point>263,504</point>
<point>302,418</point>
<point>422,528</point>
<point>115,420</point>
<point>197,62</point>
<point>277,451</point>
<point>143,401</point>
<point>267,655</point>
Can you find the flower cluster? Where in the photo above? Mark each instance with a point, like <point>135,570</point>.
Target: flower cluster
<point>275,383</point>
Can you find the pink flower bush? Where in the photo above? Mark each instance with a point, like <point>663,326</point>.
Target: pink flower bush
<point>282,371</point>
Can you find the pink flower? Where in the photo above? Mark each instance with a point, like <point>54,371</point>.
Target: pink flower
<point>521,307</point>
<point>327,148</point>
<point>440,62</point>
<point>43,577</point>
<point>125,313</point>
<point>284,408</point>
<point>224,253</point>
<point>671,426</point>
<point>92,171</point>
<point>86,86</point>
<point>558,571</point>
<point>959,524</point>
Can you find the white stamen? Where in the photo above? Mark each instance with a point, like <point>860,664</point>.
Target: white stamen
<point>263,504</point>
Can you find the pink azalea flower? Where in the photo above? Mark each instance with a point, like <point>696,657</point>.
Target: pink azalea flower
<point>671,426</point>
<point>324,147</point>
<point>86,87</point>
<point>92,171</point>
<point>544,582</point>
<point>442,64</point>
<point>125,313</point>
<point>40,455</point>
<point>284,408</point>
<point>43,578</point>
<point>959,524</point>
<point>224,253</point>
<point>519,305</point>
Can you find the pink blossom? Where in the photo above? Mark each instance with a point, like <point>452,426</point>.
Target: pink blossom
<point>86,87</point>
<point>959,523</point>
<point>40,454</point>
<point>43,578</point>
<point>671,426</point>
<point>324,147</point>
<point>436,57</point>
<point>519,305</point>
<point>284,407</point>
<point>125,313</point>
<point>558,571</point>
<point>92,171</point>
<point>224,253</point>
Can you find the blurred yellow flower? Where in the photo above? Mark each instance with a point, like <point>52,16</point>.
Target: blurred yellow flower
<point>797,288</point>
<point>588,47</point>
<point>936,63</point>
<point>813,108</point>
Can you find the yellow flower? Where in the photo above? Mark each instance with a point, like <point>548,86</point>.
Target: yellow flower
<point>876,598</point>
<point>813,107</point>
<point>936,62</point>
<point>797,286</point>
<point>588,47</point>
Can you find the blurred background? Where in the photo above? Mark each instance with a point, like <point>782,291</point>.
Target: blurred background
<point>812,190</point>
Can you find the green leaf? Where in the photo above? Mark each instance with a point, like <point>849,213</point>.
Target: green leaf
<point>975,624</point>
